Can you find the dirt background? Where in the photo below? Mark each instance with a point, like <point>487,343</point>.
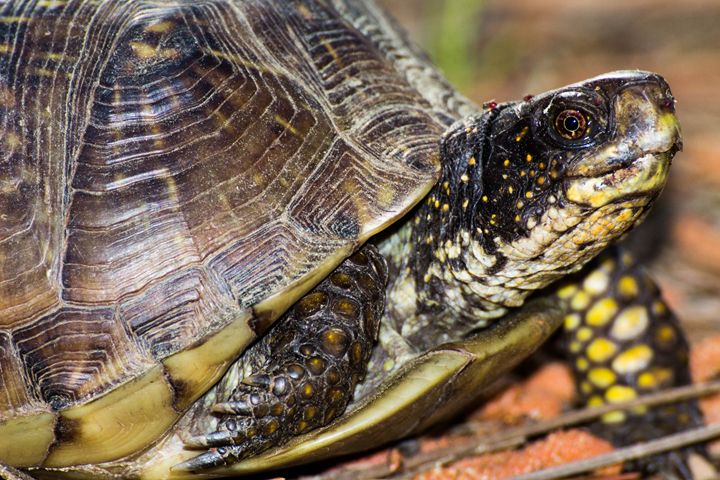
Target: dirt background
<point>504,49</point>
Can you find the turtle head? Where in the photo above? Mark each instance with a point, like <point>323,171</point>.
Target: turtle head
<point>534,189</point>
<point>578,166</point>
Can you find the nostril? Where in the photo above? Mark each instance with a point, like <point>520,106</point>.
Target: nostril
<point>665,99</point>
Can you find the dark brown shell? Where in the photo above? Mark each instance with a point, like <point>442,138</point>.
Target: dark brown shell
<point>169,169</point>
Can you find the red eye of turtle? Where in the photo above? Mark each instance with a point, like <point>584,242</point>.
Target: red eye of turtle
<point>571,124</point>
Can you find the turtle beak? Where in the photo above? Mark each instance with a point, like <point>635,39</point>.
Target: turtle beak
<point>646,136</point>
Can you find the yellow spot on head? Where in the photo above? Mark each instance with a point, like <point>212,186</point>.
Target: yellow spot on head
<point>595,401</point>
<point>445,207</point>
<point>628,287</point>
<point>464,178</point>
<point>585,387</point>
<point>601,350</point>
<point>602,377</point>
<point>437,204</point>
<point>630,323</point>
<point>633,359</point>
<point>601,312</point>
<point>506,162</point>
<point>575,347</point>
<point>484,198</point>
<point>528,158</point>
<point>472,161</point>
<point>619,394</point>
<point>465,203</point>
<point>528,194</point>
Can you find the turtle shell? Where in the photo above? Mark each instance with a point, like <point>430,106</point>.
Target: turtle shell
<point>174,176</point>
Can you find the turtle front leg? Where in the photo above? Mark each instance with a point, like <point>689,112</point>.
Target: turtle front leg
<point>624,342</point>
<point>305,369</point>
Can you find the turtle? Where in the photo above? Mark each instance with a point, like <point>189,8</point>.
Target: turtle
<point>245,234</point>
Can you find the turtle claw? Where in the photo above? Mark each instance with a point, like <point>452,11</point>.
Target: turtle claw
<point>260,381</point>
<point>213,458</point>
<point>233,408</point>
<point>214,439</point>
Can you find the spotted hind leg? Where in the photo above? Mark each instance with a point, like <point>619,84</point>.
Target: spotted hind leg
<point>624,342</point>
<point>302,373</point>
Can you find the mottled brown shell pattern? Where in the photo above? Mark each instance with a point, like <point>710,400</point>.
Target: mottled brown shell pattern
<point>172,176</point>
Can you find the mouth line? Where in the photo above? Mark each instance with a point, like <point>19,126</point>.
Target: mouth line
<point>625,163</point>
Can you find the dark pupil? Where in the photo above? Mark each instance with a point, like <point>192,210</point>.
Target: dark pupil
<point>571,123</point>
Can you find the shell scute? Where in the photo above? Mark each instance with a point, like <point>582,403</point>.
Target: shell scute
<point>74,353</point>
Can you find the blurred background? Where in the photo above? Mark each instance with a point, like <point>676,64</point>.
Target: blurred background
<point>504,49</point>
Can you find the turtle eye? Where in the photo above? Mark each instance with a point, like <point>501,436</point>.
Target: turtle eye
<point>571,124</point>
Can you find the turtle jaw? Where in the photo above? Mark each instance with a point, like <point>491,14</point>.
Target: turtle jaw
<point>646,137</point>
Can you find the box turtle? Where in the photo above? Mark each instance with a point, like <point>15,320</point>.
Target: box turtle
<point>243,234</point>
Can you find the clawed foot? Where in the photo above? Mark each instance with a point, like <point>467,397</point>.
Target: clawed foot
<point>308,367</point>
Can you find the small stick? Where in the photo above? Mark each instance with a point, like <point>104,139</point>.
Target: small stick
<point>640,450</point>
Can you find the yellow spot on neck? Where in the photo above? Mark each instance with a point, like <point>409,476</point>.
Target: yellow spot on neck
<point>602,377</point>
<point>597,282</point>
<point>580,301</point>
<point>628,287</point>
<point>601,350</point>
<point>584,334</point>
<point>633,359</point>
<point>601,312</point>
<point>571,321</point>
<point>620,393</point>
<point>630,323</point>
<point>567,291</point>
